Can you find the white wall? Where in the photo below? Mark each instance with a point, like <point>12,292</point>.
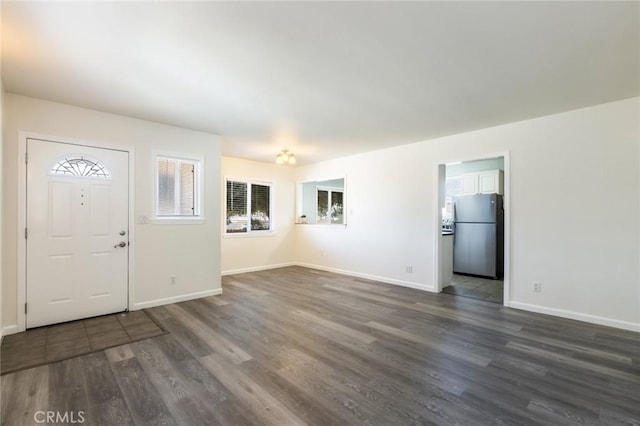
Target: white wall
<point>189,252</point>
<point>389,226</point>
<point>574,211</point>
<point>243,253</point>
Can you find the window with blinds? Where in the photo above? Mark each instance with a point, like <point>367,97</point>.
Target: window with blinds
<point>177,187</point>
<point>248,207</point>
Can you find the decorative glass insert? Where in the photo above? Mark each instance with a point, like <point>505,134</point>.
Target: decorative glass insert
<point>80,166</point>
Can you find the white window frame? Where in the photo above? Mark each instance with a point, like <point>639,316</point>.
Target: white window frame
<point>249,233</point>
<point>198,176</point>
<point>330,189</point>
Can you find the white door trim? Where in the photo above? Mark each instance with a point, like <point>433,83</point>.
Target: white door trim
<point>22,214</point>
<point>438,194</point>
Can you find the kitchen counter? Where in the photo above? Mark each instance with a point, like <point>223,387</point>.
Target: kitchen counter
<point>447,259</point>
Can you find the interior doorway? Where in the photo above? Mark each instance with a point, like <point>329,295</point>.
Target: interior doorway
<point>473,228</point>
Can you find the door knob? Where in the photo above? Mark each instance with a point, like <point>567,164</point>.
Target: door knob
<point>123,233</point>
<point>121,244</point>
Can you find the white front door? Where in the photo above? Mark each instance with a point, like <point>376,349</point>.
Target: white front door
<point>77,231</point>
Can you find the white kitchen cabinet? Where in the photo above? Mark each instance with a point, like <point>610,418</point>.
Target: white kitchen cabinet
<point>469,183</point>
<point>491,182</point>
<point>488,182</point>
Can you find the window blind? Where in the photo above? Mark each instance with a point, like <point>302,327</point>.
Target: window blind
<point>237,220</point>
<point>166,187</point>
<point>187,184</point>
<point>260,205</point>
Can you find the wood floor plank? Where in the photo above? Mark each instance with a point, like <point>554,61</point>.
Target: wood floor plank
<point>336,327</point>
<point>247,287</point>
<point>230,412</point>
<point>143,400</point>
<point>631,374</point>
<point>329,396</point>
<point>468,318</point>
<point>381,299</point>
<point>109,413</point>
<point>560,413</point>
<point>67,386</point>
<point>306,407</point>
<point>119,353</point>
<point>434,406</point>
<point>23,394</point>
<point>106,405</point>
<point>187,337</point>
<point>215,340</point>
<point>432,343</point>
<point>188,402</point>
<point>252,395</point>
<point>201,383</point>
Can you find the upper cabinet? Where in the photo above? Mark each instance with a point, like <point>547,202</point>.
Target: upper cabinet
<point>487,182</point>
<point>469,183</point>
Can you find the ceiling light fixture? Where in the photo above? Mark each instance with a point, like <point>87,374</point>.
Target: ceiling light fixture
<point>286,157</point>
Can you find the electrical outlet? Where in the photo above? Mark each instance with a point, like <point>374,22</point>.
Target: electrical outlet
<point>537,287</point>
<point>409,269</point>
<point>173,280</point>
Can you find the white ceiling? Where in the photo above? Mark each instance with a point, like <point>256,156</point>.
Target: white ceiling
<point>324,79</point>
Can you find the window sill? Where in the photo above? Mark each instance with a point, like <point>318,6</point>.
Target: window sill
<point>255,234</point>
<point>177,221</point>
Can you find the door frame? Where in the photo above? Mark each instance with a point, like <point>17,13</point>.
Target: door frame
<point>22,214</point>
<point>439,195</point>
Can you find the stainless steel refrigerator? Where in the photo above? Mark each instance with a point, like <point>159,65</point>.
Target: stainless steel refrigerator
<point>478,245</point>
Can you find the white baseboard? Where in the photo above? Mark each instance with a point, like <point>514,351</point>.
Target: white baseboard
<point>385,280</point>
<point>257,268</point>
<point>10,329</point>
<point>625,325</point>
<point>175,299</point>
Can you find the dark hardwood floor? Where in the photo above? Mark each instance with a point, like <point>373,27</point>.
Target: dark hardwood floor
<point>299,346</point>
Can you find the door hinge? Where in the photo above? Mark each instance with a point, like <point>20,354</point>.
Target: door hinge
<point>26,157</point>
<point>25,233</point>
<point>25,309</point>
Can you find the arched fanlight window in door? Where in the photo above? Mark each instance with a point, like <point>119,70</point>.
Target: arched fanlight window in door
<point>80,166</point>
